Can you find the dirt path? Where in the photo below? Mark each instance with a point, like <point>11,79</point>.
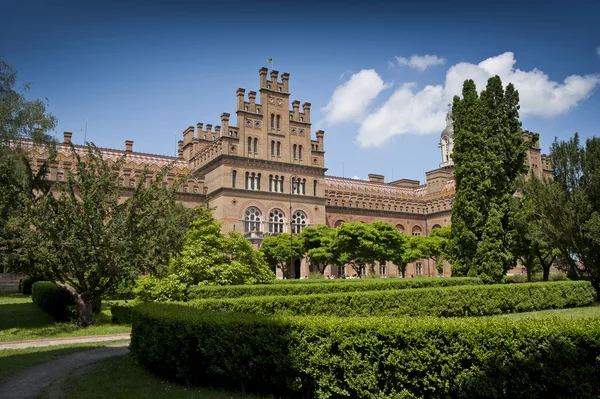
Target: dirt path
<point>30,382</point>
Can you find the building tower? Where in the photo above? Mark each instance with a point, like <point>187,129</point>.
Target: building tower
<point>447,142</point>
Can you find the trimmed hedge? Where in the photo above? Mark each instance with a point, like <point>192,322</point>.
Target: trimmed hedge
<point>121,314</point>
<point>236,291</point>
<point>459,301</point>
<point>53,299</point>
<point>25,284</point>
<point>370,357</point>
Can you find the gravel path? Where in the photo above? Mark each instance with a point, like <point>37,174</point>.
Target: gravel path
<point>30,382</point>
<point>61,341</point>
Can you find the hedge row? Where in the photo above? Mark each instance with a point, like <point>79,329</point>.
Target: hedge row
<point>479,300</point>
<point>370,357</point>
<point>25,284</point>
<point>121,314</point>
<point>236,291</point>
<point>53,299</point>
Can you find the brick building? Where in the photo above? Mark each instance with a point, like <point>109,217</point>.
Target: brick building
<point>266,175</point>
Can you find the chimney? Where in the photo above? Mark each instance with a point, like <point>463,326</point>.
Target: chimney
<point>67,137</point>
<point>225,123</point>
<point>180,148</point>
<point>263,77</point>
<point>306,109</point>
<point>128,145</point>
<point>376,178</point>
<point>274,75</point>
<point>285,79</point>
<point>240,93</point>
<point>252,97</point>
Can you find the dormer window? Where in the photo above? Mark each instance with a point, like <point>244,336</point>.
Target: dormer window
<point>280,89</point>
<point>246,108</point>
<point>301,119</point>
<point>257,110</point>
<point>291,117</point>
<point>268,86</point>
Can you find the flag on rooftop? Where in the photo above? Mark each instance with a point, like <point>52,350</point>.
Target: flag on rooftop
<point>270,60</point>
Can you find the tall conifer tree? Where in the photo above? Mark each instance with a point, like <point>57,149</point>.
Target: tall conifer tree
<point>489,154</point>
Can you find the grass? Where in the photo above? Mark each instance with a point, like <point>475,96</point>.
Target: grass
<point>14,360</point>
<point>120,377</point>
<point>575,313</point>
<point>21,319</point>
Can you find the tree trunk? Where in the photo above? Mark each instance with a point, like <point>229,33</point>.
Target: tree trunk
<point>528,274</point>
<point>546,270</point>
<point>84,307</point>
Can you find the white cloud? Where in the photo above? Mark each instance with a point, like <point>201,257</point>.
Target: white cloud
<point>351,99</point>
<point>412,111</point>
<point>420,62</point>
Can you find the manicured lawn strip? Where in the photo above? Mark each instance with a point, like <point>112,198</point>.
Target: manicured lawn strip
<point>121,378</point>
<point>21,319</point>
<point>14,360</point>
<point>381,357</point>
<point>572,313</point>
<point>374,284</point>
<point>458,301</point>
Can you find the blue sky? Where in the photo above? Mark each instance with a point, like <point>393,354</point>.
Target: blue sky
<point>146,70</point>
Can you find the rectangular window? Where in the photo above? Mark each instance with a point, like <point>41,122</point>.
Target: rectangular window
<point>419,269</point>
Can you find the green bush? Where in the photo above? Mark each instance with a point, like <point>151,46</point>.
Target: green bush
<point>457,301</point>
<point>521,278</point>
<point>168,289</point>
<point>235,291</point>
<point>121,314</point>
<point>124,290</point>
<point>53,299</point>
<point>26,283</point>
<point>370,357</point>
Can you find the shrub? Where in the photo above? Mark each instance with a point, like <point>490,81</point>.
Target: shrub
<point>458,301</point>
<point>521,278</point>
<point>318,287</point>
<point>26,283</point>
<point>121,314</point>
<point>124,290</point>
<point>53,299</point>
<point>168,289</point>
<point>370,357</point>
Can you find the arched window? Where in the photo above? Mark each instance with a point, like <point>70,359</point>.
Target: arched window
<point>270,182</point>
<point>294,185</point>
<point>255,145</point>
<point>272,121</point>
<point>281,185</point>
<point>295,146</point>
<point>303,186</point>
<point>300,152</point>
<point>338,223</point>
<point>249,145</point>
<point>247,180</point>
<point>272,148</point>
<point>252,218</point>
<point>299,221</point>
<point>416,231</point>
<point>213,138</point>
<point>233,176</point>
<point>252,177</point>
<point>276,221</point>
<point>278,120</point>
<point>258,181</point>
<point>279,148</point>
<point>315,188</point>
<point>437,226</point>
<point>400,228</point>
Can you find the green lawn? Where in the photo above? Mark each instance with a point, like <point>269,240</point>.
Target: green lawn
<point>120,377</point>
<point>21,319</point>
<point>14,360</point>
<point>586,311</point>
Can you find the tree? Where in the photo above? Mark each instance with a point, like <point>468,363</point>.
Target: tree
<point>210,258</point>
<point>355,244</point>
<point>389,243</point>
<point>411,252</point>
<point>435,246</point>
<point>570,206</point>
<point>279,250</point>
<point>531,247</point>
<point>88,240</point>
<point>489,154</point>
<point>19,119</point>
<point>316,243</point>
